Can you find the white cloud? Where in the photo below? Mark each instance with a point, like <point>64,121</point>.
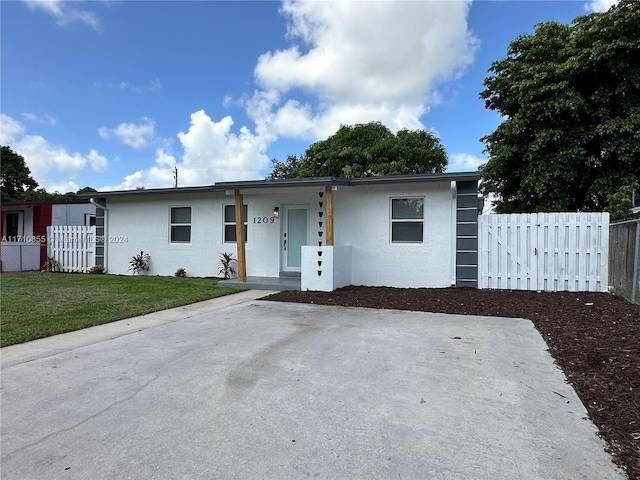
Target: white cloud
<point>136,136</point>
<point>62,187</point>
<point>42,158</point>
<point>63,13</point>
<point>48,119</point>
<point>98,162</point>
<point>211,153</point>
<point>10,129</point>
<point>600,5</point>
<point>356,62</point>
<point>464,162</point>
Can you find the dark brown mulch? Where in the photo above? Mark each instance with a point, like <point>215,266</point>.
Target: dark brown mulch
<point>594,338</point>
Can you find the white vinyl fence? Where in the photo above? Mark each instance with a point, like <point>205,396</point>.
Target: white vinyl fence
<point>73,248</point>
<point>544,251</point>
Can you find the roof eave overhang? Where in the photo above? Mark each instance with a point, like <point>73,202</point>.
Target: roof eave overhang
<point>294,182</point>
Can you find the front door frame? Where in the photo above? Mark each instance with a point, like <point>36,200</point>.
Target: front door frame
<point>284,267</point>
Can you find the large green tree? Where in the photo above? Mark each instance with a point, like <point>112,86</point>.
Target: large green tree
<point>15,176</point>
<point>366,150</point>
<point>570,97</point>
<point>17,185</point>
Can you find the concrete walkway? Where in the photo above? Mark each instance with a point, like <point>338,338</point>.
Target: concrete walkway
<point>287,391</point>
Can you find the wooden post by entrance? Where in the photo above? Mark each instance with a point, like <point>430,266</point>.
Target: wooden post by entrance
<point>242,263</point>
<point>328,200</point>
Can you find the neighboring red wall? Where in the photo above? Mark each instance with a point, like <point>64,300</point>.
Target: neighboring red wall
<point>41,220</point>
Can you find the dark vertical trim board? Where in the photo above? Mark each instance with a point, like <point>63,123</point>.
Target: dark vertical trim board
<point>467,234</point>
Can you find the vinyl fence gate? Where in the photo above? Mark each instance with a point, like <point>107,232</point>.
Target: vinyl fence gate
<point>72,247</point>
<point>544,251</point>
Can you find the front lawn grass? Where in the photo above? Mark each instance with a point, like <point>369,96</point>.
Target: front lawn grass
<point>37,305</point>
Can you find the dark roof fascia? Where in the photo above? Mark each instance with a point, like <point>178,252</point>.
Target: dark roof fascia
<point>417,178</point>
<point>331,181</point>
<point>295,182</point>
<point>284,182</point>
<point>150,191</point>
<point>33,203</point>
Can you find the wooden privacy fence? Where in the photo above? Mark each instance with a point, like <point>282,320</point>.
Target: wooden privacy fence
<point>544,251</point>
<point>72,247</point>
<point>624,261</point>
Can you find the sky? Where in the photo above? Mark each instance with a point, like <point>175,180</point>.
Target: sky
<point>117,94</point>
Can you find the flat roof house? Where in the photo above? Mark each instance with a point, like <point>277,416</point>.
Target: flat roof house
<point>309,233</point>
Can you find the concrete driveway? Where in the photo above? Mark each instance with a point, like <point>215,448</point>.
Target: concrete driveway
<point>288,391</point>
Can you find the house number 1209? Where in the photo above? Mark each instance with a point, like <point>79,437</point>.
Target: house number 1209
<point>264,219</point>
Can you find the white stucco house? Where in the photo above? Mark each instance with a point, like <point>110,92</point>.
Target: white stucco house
<point>310,233</point>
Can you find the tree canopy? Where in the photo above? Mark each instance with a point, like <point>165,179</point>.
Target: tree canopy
<point>17,185</point>
<point>15,176</point>
<point>366,150</point>
<point>570,97</point>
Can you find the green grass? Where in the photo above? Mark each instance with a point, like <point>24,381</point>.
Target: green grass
<point>37,305</point>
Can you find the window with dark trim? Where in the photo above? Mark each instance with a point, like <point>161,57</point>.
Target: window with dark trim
<point>407,220</point>
<point>230,223</point>
<point>180,224</point>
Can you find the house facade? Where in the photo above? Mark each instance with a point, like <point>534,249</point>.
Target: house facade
<point>402,231</point>
<point>23,230</point>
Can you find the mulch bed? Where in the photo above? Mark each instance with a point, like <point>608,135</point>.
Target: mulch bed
<point>593,337</point>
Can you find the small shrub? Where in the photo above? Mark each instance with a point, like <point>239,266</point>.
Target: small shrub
<point>139,262</point>
<point>51,264</point>
<point>226,265</point>
<point>96,269</point>
<point>181,272</point>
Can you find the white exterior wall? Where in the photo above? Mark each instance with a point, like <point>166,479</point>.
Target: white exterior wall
<point>71,213</point>
<point>23,255</point>
<point>265,240</point>
<point>363,220</point>
<point>142,223</point>
<point>26,228</point>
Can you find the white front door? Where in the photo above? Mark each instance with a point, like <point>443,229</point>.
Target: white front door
<point>294,236</point>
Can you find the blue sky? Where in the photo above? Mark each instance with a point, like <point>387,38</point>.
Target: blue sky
<point>115,94</point>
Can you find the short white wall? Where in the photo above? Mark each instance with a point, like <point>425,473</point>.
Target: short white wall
<point>20,256</point>
<point>325,268</point>
<point>362,220</point>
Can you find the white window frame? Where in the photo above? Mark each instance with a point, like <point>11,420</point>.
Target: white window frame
<point>225,224</point>
<point>88,218</point>
<point>5,225</point>
<point>393,221</point>
<point>180,224</point>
